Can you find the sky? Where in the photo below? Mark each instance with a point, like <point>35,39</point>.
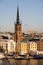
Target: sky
<point>30,12</point>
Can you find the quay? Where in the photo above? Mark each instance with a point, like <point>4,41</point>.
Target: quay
<point>18,57</point>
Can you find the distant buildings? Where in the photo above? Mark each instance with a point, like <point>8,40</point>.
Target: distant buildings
<point>21,48</point>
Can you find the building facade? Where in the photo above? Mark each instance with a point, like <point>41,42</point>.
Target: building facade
<point>8,45</point>
<point>11,46</point>
<point>40,45</point>
<point>22,48</point>
<point>33,46</point>
<point>3,44</point>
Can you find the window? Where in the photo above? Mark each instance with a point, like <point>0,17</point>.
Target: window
<point>16,28</point>
<point>19,28</point>
<point>19,32</point>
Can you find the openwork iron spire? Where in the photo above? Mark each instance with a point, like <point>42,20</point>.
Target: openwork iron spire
<point>17,21</point>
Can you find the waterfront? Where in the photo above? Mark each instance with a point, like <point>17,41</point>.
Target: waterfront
<point>21,62</point>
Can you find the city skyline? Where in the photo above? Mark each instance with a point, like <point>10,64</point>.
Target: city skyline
<point>31,14</point>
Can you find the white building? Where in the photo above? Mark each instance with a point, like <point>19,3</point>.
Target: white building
<point>8,45</point>
<point>11,46</point>
<point>3,44</point>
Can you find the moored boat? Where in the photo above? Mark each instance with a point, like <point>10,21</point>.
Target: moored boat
<point>38,56</point>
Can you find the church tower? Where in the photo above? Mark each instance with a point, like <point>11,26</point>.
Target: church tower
<point>18,28</point>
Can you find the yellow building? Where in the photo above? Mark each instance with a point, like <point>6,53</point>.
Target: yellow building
<point>22,48</point>
<point>33,46</point>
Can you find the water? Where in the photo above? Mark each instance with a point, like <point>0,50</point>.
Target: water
<point>21,62</point>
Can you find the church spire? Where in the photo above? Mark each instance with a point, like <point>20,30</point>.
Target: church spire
<point>18,29</point>
<point>17,21</point>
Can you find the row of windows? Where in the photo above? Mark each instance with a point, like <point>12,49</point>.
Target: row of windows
<point>33,44</point>
<point>24,49</point>
<point>33,47</point>
<point>24,45</point>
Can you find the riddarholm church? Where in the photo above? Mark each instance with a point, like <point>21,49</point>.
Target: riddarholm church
<point>18,29</point>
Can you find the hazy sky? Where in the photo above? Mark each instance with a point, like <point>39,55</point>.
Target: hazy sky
<point>31,14</point>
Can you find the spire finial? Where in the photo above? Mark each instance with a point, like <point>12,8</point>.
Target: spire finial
<point>17,15</point>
